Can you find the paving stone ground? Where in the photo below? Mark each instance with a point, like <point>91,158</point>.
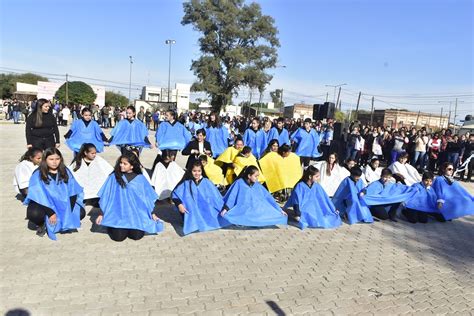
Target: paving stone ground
<point>385,268</point>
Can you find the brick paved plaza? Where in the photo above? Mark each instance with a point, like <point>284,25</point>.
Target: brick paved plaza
<point>383,268</point>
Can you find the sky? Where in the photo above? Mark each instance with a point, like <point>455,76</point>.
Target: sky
<point>412,54</point>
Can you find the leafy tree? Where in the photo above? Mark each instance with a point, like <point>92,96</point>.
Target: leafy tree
<point>8,82</point>
<point>238,44</point>
<point>115,99</point>
<point>78,93</point>
<point>277,98</point>
<point>339,116</point>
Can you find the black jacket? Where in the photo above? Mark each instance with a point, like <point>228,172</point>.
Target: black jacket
<point>193,157</point>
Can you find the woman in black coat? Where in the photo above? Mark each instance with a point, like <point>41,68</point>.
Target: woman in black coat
<point>41,127</point>
<point>196,147</point>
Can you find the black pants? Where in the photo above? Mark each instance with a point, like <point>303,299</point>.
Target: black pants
<point>43,143</point>
<point>469,168</point>
<point>36,213</point>
<point>305,161</point>
<point>380,211</point>
<point>414,216</point>
<point>120,234</point>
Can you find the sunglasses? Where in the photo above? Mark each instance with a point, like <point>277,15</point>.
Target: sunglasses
<point>449,169</point>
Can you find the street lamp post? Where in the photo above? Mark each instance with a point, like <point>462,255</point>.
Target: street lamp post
<point>335,88</point>
<point>169,42</point>
<point>130,82</point>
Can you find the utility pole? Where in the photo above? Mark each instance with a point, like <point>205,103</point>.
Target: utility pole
<point>441,119</point>
<point>417,117</point>
<point>67,90</point>
<point>169,42</point>
<point>327,96</point>
<point>281,98</point>
<point>372,112</point>
<point>338,97</point>
<point>130,82</point>
<point>357,106</point>
<point>455,114</point>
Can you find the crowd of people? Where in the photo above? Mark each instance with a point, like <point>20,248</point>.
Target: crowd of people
<point>237,171</point>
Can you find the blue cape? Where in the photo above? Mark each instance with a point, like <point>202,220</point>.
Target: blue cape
<point>315,205</point>
<point>347,200</point>
<point>255,140</point>
<point>82,134</point>
<point>457,201</point>
<point>379,194</point>
<point>203,203</point>
<point>252,206</point>
<point>133,134</point>
<point>56,196</point>
<point>283,138</point>
<point>307,143</point>
<point>174,137</point>
<point>217,137</point>
<point>424,200</point>
<point>129,207</point>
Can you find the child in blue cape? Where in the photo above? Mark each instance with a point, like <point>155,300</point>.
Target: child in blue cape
<point>349,201</point>
<point>254,138</point>
<point>306,140</point>
<point>311,204</point>
<point>127,201</point>
<point>384,197</point>
<point>248,203</point>
<point>54,197</point>
<point>130,133</point>
<point>280,133</point>
<point>171,134</point>
<point>453,200</point>
<point>217,135</point>
<point>83,131</point>
<point>423,203</point>
<point>198,201</point>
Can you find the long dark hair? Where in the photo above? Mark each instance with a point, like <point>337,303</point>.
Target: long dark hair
<point>44,170</point>
<point>284,149</point>
<point>188,175</point>
<point>85,148</point>
<point>308,173</point>
<point>248,170</point>
<point>269,147</point>
<point>328,167</point>
<point>30,153</point>
<point>133,160</point>
<point>217,121</point>
<point>38,114</point>
<point>165,153</point>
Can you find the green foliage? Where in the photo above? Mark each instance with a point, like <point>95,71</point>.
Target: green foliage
<point>339,116</point>
<point>115,99</point>
<point>8,82</point>
<point>277,98</point>
<point>78,93</point>
<point>238,44</point>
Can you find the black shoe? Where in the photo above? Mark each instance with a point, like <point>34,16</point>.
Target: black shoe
<point>41,231</point>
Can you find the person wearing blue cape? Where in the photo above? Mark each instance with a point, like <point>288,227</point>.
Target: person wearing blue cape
<point>130,133</point>
<point>268,135</point>
<point>453,200</point>
<point>127,201</point>
<point>217,135</point>
<point>311,204</point>
<point>248,203</point>
<point>307,141</point>
<point>423,203</point>
<point>198,201</point>
<point>55,198</point>
<point>348,199</point>
<point>280,133</point>
<point>254,138</point>
<point>85,131</point>
<point>172,135</point>
<point>384,197</point>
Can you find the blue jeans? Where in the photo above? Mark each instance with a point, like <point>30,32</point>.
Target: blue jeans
<point>454,159</point>
<point>418,158</point>
<point>16,116</point>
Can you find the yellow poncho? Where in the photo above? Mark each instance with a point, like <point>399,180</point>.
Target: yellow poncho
<point>241,162</point>
<point>214,172</point>
<point>281,173</point>
<point>228,156</point>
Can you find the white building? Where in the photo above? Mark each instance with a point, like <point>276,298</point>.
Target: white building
<point>179,95</point>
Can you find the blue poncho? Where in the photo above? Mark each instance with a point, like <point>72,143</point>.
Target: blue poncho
<point>217,137</point>
<point>347,200</point>
<point>129,207</point>
<point>424,200</point>
<point>252,205</point>
<point>255,140</point>
<point>56,196</point>
<point>82,134</point>
<point>317,209</point>
<point>283,137</point>
<point>203,203</point>
<point>130,133</point>
<point>378,193</point>
<point>172,136</point>
<point>308,142</point>
<point>457,202</point>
